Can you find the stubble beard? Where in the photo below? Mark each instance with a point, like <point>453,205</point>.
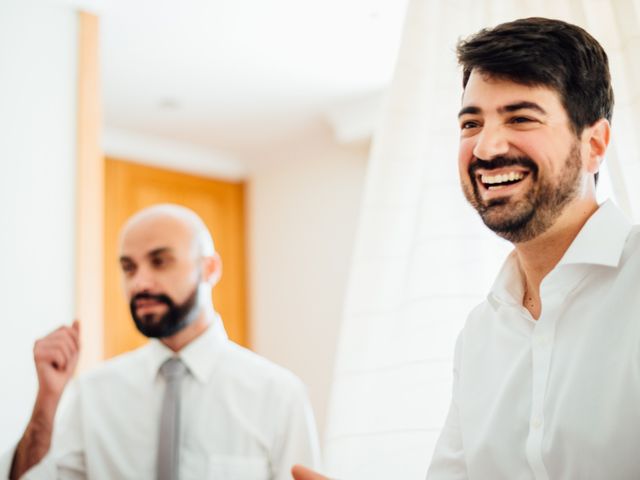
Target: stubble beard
<point>522,220</point>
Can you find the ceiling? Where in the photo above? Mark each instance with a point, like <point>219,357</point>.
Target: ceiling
<point>227,74</point>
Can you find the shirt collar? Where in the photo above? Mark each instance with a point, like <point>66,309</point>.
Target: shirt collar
<point>508,285</point>
<point>600,242</point>
<point>199,356</point>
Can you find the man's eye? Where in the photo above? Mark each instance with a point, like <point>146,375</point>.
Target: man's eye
<point>127,268</point>
<point>157,262</point>
<point>521,120</point>
<point>468,125</point>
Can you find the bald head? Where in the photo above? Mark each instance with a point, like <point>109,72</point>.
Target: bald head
<point>170,216</point>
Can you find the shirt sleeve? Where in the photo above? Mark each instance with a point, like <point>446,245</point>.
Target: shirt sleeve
<point>448,459</point>
<point>298,442</point>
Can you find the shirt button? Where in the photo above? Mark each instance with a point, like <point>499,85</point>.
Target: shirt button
<point>536,423</point>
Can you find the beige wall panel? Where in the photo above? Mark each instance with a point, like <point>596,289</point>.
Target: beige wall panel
<point>90,197</point>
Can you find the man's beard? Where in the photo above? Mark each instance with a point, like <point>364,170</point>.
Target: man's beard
<point>175,319</point>
<point>524,219</point>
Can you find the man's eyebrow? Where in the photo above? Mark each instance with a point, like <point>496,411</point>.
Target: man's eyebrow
<point>524,105</point>
<point>469,110</point>
<point>153,253</point>
<point>159,251</point>
<point>512,107</point>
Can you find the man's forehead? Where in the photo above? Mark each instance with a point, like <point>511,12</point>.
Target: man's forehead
<point>486,93</point>
<point>152,233</point>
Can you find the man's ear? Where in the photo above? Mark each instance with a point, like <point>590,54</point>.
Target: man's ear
<point>212,269</point>
<point>598,139</point>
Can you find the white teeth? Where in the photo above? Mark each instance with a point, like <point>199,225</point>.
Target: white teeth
<point>497,179</point>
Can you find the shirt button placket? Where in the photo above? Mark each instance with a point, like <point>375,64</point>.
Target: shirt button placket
<point>541,348</point>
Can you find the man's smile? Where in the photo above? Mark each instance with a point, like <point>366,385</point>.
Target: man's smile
<point>501,182</point>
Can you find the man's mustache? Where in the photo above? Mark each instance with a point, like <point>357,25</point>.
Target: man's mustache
<point>501,162</point>
<point>160,297</point>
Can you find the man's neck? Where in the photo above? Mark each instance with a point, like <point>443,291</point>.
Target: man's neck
<point>192,331</point>
<point>540,255</point>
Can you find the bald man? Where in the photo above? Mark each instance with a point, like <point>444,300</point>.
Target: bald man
<point>239,416</point>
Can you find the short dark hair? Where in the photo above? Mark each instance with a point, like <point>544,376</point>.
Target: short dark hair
<point>545,52</point>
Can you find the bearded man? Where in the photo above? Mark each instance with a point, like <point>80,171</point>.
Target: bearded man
<point>547,368</point>
<point>189,405</point>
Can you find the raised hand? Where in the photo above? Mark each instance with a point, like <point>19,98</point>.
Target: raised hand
<point>302,473</point>
<point>56,357</point>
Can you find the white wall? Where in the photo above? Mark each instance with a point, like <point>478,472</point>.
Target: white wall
<point>37,189</point>
<point>302,215</point>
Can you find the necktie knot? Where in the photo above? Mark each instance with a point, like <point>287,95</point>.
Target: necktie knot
<point>173,369</point>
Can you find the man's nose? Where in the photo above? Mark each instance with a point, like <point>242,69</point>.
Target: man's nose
<point>492,142</point>
<point>142,281</point>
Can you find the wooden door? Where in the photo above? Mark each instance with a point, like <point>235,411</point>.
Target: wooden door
<point>130,187</point>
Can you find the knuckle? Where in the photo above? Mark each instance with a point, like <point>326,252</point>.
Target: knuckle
<point>37,347</point>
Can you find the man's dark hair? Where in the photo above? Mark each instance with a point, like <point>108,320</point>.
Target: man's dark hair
<point>544,52</point>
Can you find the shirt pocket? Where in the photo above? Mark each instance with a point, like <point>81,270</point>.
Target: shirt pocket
<point>232,467</point>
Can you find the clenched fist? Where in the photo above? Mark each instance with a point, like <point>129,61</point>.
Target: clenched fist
<point>56,357</point>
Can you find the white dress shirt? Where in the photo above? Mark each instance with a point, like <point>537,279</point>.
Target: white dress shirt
<point>243,418</point>
<point>557,398</point>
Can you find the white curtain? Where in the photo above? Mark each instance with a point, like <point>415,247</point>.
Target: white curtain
<point>422,258</point>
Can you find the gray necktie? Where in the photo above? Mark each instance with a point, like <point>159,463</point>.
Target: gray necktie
<point>173,371</point>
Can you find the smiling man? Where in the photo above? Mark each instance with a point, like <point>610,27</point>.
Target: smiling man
<point>546,381</point>
<point>190,404</point>
<point>547,368</point>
